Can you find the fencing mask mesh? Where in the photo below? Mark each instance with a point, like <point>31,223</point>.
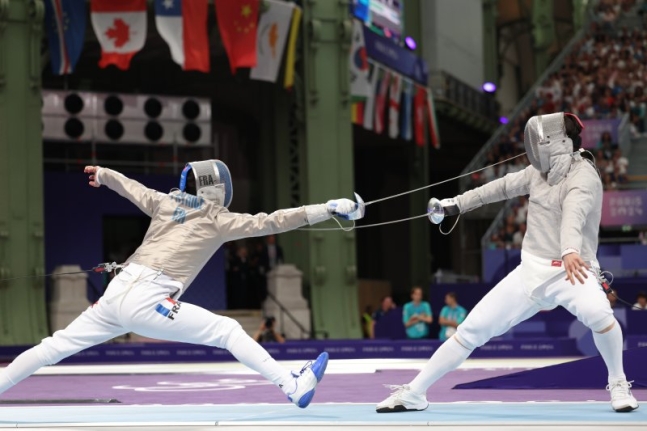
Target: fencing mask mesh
<point>545,138</point>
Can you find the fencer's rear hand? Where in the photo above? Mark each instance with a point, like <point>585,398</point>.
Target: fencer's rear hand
<point>341,207</point>
<point>450,206</point>
<point>92,170</point>
<point>575,268</point>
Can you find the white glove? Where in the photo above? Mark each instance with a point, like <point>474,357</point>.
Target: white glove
<point>450,206</point>
<point>341,207</point>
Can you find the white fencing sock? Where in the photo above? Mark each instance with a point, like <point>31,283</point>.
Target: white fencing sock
<point>254,356</point>
<point>22,367</point>
<point>447,358</point>
<point>610,346</point>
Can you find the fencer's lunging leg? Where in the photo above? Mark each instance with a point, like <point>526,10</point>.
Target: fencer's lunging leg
<point>609,344</point>
<point>92,327</point>
<point>193,324</point>
<point>253,355</point>
<point>447,358</point>
<point>22,367</point>
<point>502,308</point>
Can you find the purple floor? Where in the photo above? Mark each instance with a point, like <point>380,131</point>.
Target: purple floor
<point>228,389</point>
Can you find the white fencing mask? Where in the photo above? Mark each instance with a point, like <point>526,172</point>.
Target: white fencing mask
<point>212,181</point>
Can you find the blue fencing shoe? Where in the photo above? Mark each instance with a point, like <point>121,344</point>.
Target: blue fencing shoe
<point>306,381</point>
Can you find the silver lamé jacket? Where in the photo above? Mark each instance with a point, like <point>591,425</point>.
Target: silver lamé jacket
<point>561,218</point>
<point>185,230</point>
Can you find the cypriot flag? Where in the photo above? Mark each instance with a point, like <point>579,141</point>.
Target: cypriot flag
<point>272,33</point>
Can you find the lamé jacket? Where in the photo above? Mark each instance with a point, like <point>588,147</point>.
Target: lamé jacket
<point>562,218</point>
<point>185,230</point>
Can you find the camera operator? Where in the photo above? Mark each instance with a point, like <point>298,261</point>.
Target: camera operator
<point>267,334</point>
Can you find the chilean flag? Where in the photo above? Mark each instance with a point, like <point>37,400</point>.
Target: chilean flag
<point>183,25</point>
<point>65,25</point>
<point>120,26</point>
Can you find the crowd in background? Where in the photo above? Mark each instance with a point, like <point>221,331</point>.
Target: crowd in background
<point>603,78</point>
<point>246,271</point>
<point>609,10</point>
<point>417,316</point>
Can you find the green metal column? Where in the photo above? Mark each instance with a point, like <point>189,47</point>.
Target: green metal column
<point>579,12</point>
<point>326,164</point>
<point>419,249</point>
<point>490,51</point>
<point>23,318</point>
<point>543,32</point>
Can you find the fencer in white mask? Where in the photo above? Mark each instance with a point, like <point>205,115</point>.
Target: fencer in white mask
<point>187,226</point>
<point>558,260</point>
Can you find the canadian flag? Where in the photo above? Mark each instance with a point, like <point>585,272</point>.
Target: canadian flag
<point>120,26</point>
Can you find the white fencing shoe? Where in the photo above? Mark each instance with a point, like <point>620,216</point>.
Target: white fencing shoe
<point>402,399</point>
<point>306,381</point>
<point>621,398</point>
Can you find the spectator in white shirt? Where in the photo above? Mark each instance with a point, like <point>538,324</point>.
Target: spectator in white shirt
<point>641,301</point>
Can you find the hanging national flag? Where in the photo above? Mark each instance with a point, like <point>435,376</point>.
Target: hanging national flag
<point>394,105</point>
<point>433,122</point>
<point>65,25</point>
<point>357,112</point>
<point>369,107</point>
<point>360,86</point>
<point>270,39</point>
<point>120,26</point>
<point>380,101</point>
<point>419,103</point>
<point>405,110</point>
<point>288,80</point>
<point>183,25</point>
<point>237,21</point>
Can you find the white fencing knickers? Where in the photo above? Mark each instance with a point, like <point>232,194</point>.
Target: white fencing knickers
<point>508,303</point>
<point>138,300</point>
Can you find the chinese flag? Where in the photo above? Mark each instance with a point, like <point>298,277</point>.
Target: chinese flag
<point>237,20</point>
<point>419,107</point>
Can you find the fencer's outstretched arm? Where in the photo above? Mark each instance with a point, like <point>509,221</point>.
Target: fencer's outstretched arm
<point>511,185</point>
<point>235,226</point>
<point>146,199</point>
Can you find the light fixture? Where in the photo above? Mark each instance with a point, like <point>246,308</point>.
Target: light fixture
<point>503,120</point>
<point>489,87</point>
<point>410,43</point>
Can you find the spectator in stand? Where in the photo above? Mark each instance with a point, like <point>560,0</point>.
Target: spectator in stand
<point>642,237</point>
<point>495,242</point>
<point>367,322</point>
<point>600,161</point>
<point>508,236</point>
<point>268,256</point>
<point>606,146</point>
<point>272,254</point>
<point>417,315</point>
<point>517,238</point>
<point>522,210</point>
<point>386,306</point>
<point>641,301</point>
<point>450,316</point>
<point>267,333</point>
<point>620,165</point>
<point>239,267</point>
<point>516,165</point>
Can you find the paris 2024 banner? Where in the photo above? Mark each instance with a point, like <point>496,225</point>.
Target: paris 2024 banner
<point>624,208</point>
